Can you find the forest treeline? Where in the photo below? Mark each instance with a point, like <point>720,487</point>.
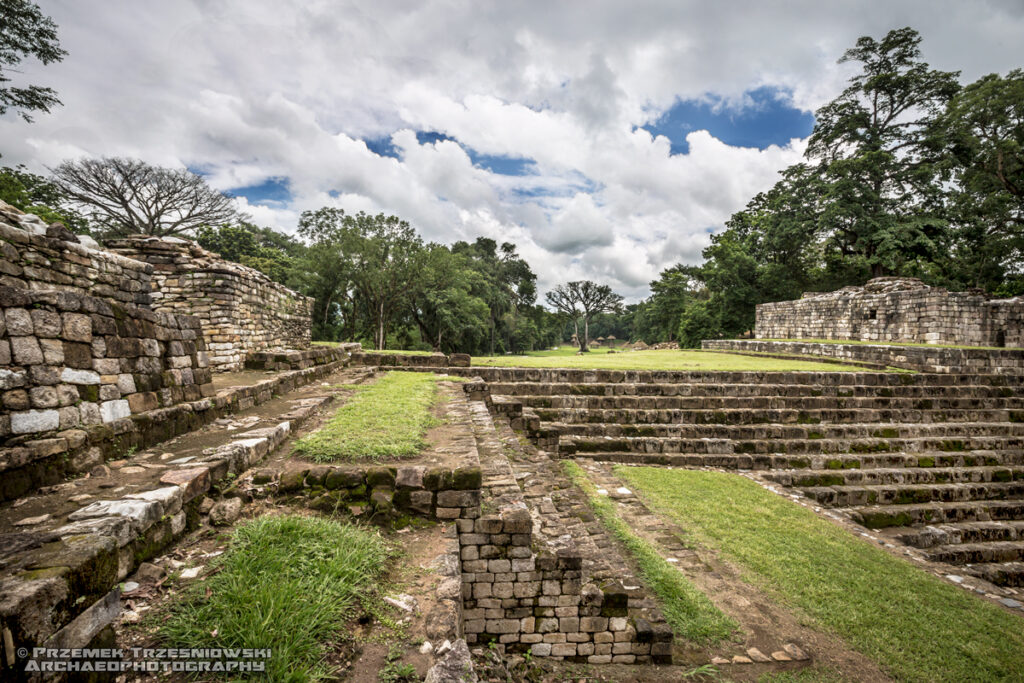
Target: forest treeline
<point>907,172</point>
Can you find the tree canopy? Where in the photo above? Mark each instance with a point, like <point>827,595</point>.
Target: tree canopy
<point>25,32</point>
<point>128,196</point>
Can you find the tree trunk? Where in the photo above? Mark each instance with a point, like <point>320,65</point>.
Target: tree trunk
<point>380,328</point>
<point>492,335</point>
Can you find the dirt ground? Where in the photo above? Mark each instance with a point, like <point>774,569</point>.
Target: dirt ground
<point>379,636</point>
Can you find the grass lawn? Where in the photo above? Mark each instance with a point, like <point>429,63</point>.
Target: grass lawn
<point>915,625</point>
<point>286,583</point>
<point>689,612</point>
<point>664,359</point>
<point>386,419</point>
<point>885,343</point>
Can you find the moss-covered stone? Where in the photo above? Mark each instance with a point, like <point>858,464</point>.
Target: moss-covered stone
<point>467,478</point>
<point>381,476</point>
<point>437,479</point>
<point>292,480</point>
<point>382,500</point>
<point>317,475</point>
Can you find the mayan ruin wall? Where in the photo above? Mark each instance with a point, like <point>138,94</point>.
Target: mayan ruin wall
<point>896,310</point>
<point>100,352</point>
<point>241,310</point>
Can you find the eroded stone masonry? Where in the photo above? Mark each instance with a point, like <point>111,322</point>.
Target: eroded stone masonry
<point>241,310</point>
<point>84,349</point>
<point>896,310</point>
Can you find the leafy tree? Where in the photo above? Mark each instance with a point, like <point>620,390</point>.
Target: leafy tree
<point>362,268</point>
<point>34,194</point>
<point>506,284</point>
<point>586,299</point>
<point>881,200</point>
<point>26,32</point>
<point>449,316</point>
<point>324,273</point>
<point>271,252</point>
<point>129,196</point>
<point>982,133</point>
<point>564,300</point>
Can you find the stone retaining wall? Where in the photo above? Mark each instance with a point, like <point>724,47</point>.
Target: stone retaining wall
<point>528,592</point>
<point>440,493</point>
<point>60,584</point>
<point>297,360</point>
<point>26,464</point>
<point>896,310</point>
<point>37,262</point>
<point>241,309</point>
<point>921,358</point>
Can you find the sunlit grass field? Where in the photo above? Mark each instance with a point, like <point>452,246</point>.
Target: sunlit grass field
<point>666,359</point>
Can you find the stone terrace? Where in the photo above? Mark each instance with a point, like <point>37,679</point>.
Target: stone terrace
<point>934,460</point>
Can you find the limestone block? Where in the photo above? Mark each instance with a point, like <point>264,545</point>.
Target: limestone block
<point>114,410</point>
<point>34,421</point>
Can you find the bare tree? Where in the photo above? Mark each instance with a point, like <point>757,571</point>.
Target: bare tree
<point>129,196</point>
<point>585,299</point>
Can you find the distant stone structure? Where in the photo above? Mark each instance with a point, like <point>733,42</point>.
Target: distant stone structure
<point>242,311</point>
<point>892,309</point>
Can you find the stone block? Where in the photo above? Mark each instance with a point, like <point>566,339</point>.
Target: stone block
<point>77,327</point>
<point>26,350</point>
<point>34,421</point>
<point>114,410</point>
<point>45,323</point>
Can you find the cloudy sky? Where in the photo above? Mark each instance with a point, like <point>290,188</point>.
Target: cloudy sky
<point>607,140</point>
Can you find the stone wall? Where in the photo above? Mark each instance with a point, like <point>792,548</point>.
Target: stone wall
<point>920,358</point>
<point>241,309</point>
<point>72,366</point>
<point>35,261</point>
<point>896,310</point>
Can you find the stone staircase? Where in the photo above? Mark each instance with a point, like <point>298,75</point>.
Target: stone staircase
<point>933,461</point>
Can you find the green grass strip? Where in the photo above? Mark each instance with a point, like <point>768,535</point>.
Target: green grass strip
<point>661,359</point>
<point>915,625</point>
<point>287,583</point>
<point>386,419</point>
<point>689,612</point>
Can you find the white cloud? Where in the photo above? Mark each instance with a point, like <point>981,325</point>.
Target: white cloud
<point>257,90</point>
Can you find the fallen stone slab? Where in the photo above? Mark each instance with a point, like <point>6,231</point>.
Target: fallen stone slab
<point>142,513</point>
<point>226,511</point>
<point>85,627</point>
<point>454,667</point>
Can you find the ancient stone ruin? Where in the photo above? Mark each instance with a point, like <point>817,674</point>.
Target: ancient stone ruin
<point>241,310</point>
<point>83,347</point>
<point>103,353</point>
<point>896,310</point>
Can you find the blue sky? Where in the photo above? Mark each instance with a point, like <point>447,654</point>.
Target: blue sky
<point>765,117</point>
<point>608,141</point>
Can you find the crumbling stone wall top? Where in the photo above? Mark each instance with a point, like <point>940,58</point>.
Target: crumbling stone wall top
<point>241,309</point>
<point>896,310</point>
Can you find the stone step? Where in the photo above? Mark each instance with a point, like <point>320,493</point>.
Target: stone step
<point>769,389</point>
<point>811,462</point>
<point>791,431</point>
<point>570,444</point>
<point>819,379</point>
<point>885,476</point>
<point>739,416</point>
<point>964,532</point>
<point>977,553</point>
<point>909,494</point>
<point>773,403</point>
<point>883,516</point>
<point>999,573</point>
